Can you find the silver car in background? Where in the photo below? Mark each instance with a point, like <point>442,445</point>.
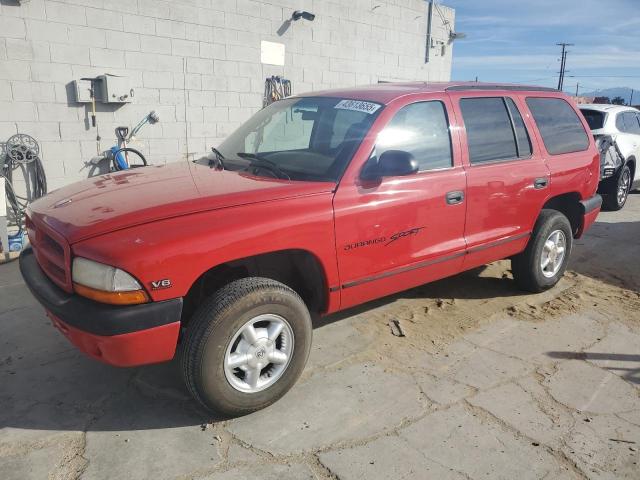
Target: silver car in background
<point>616,129</point>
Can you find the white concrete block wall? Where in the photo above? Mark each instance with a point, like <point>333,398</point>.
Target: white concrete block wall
<point>196,62</point>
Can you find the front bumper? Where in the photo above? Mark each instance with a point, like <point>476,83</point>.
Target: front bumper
<point>118,335</point>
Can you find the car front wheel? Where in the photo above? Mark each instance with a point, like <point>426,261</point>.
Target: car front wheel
<point>246,346</point>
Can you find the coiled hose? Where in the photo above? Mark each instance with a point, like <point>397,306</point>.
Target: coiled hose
<point>22,151</point>
<point>275,88</point>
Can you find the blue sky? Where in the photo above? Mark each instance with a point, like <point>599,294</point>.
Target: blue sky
<point>514,41</point>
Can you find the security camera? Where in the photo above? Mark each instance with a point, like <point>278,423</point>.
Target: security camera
<point>298,14</point>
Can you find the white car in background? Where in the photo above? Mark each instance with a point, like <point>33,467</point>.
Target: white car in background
<point>616,129</point>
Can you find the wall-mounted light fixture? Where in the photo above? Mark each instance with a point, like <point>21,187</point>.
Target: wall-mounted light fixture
<point>298,14</point>
<point>456,36</point>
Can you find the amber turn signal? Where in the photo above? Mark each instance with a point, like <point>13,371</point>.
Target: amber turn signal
<point>132,297</point>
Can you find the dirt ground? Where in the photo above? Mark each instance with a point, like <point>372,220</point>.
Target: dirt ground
<point>487,382</point>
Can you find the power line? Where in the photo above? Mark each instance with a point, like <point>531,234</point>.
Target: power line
<point>604,76</point>
<point>535,79</point>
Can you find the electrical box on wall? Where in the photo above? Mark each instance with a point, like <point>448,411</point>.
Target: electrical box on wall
<point>108,89</point>
<point>114,89</point>
<point>82,90</point>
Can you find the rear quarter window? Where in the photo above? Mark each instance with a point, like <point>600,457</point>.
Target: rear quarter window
<point>559,125</point>
<point>594,118</point>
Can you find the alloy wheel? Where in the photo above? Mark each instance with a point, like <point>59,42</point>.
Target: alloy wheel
<point>553,253</point>
<point>259,353</point>
<point>623,186</point>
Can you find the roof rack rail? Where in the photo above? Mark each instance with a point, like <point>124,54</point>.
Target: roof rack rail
<point>515,88</point>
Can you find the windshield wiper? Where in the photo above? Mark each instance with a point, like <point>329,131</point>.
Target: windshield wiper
<point>217,160</point>
<point>259,162</point>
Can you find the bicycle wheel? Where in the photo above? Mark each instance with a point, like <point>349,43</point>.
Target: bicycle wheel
<point>130,155</point>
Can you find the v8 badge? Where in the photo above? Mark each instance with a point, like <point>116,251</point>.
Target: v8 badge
<point>160,284</point>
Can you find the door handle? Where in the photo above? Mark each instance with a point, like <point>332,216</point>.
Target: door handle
<point>454,197</point>
<point>541,182</point>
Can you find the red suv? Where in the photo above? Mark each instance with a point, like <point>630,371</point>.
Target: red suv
<point>316,204</point>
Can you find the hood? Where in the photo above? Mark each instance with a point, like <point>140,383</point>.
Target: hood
<point>132,197</point>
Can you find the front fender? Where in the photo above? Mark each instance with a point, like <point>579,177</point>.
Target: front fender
<point>180,249</point>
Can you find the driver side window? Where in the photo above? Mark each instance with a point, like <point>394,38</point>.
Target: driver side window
<point>422,129</point>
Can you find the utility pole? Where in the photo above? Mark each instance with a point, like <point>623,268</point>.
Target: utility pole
<point>631,99</point>
<point>563,62</point>
<point>577,88</point>
<point>427,53</point>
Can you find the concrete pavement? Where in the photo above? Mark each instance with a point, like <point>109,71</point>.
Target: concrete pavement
<point>488,383</point>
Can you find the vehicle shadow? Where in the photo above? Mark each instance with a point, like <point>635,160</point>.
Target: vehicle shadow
<point>485,282</point>
<point>142,398</point>
<point>608,361</point>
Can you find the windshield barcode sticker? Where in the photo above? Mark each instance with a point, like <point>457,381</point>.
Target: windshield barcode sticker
<point>358,106</point>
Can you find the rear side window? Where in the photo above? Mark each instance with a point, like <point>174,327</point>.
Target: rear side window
<point>421,129</point>
<point>559,125</point>
<point>594,118</point>
<point>495,129</point>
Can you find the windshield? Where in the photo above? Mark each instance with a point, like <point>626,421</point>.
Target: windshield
<point>311,139</point>
<point>594,118</point>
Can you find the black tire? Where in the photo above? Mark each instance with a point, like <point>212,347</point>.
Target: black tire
<point>526,267</point>
<point>214,325</point>
<point>615,199</point>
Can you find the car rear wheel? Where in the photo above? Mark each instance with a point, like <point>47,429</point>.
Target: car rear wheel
<point>545,259</point>
<point>246,346</point>
<point>619,193</point>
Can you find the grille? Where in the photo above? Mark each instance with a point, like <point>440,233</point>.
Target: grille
<point>52,253</point>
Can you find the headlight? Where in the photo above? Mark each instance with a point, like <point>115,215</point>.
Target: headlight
<point>105,283</point>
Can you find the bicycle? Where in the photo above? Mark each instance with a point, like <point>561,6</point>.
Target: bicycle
<point>119,155</point>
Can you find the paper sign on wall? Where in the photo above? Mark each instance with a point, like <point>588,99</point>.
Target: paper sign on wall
<point>272,53</point>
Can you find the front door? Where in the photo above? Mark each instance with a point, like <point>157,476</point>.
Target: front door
<point>400,232</point>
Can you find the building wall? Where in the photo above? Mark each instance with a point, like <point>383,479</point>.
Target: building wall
<point>583,100</point>
<point>196,62</point>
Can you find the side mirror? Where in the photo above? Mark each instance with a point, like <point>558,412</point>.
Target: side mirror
<point>392,163</point>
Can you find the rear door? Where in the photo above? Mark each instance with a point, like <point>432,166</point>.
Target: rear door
<point>568,147</point>
<point>507,179</point>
